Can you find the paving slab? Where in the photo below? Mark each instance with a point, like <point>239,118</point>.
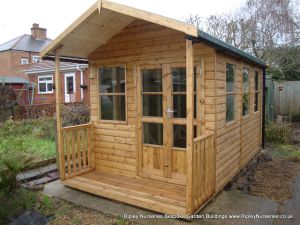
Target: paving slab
<point>226,205</point>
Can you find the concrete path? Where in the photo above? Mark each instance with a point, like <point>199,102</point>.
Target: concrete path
<point>226,204</point>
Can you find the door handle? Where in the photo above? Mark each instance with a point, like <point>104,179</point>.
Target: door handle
<point>170,113</point>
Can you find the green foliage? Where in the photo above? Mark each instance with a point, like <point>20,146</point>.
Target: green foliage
<point>75,115</point>
<point>278,133</point>
<point>7,102</point>
<point>16,202</point>
<point>284,63</point>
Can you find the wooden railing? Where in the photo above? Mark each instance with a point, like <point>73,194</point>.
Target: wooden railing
<point>203,169</point>
<point>77,150</point>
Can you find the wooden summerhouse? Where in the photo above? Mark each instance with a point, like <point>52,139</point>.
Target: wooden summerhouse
<point>175,112</point>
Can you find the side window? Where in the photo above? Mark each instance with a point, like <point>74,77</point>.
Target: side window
<point>24,61</point>
<point>230,92</point>
<point>246,92</point>
<point>45,84</point>
<point>112,89</point>
<point>256,91</point>
<point>35,59</point>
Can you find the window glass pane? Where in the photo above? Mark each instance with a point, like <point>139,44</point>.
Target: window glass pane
<point>256,102</point>
<point>152,80</point>
<point>179,136</point>
<point>229,78</point>
<point>245,80</point>
<point>49,86</point>
<point>42,87</point>
<point>179,106</point>
<point>245,104</point>
<point>153,133</point>
<point>45,78</point>
<point>70,85</point>
<point>113,107</point>
<point>179,79</point>
<point>112,80</point>
<point>230,107</point>
<point>256,81</point>
<point>152,105</point>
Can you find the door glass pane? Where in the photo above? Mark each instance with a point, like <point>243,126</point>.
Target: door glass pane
<point>112,80</point>
<point>70,85</point>
<point>152,105</point>
<point>113,107</point>
<point>179,106</point>
<point>152,80</point>
<point>179,136</point>
<point>245,80</point>
<point>256,102</point>
<point>179,79</point>
<point>153,133</point>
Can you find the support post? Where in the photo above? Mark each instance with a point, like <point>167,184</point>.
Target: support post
<point>60,148</point>
<point>190,124</point>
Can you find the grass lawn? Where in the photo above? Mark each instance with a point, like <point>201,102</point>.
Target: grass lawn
<point>32,138</point>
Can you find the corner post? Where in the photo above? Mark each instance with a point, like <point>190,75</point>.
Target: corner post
<point>60,149</point>
<point>190,124</point>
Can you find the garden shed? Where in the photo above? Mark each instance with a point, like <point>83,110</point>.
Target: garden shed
<point>175,112</point>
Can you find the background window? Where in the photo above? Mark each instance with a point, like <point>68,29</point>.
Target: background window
<point>112,88</point>
<point>24,61</point>
<point>45,84</point>
<point>256,91</point>
<point>246,92</point>
<point>35,59</point>
<point>230,92</point>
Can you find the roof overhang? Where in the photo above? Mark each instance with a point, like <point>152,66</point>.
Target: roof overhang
<point>102,21</point>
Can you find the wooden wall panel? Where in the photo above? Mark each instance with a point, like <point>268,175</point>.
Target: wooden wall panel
<point>237,142</point>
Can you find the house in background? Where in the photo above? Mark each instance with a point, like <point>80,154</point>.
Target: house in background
<point>74,82</point>
<point>19,54</point>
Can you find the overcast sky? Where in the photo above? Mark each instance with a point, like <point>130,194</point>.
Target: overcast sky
<point>17,16</point>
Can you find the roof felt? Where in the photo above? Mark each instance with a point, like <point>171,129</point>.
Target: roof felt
<point>202,36</point>
<point>25,43</point>
<point>13,80</point>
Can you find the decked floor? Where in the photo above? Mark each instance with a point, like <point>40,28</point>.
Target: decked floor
<point>149,194</point>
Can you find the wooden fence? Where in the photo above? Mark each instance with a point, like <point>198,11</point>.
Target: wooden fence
<point>77,146</point>
<point>204,169</point>
<point>287,101</point>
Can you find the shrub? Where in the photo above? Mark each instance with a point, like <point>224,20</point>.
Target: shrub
<point>279,133</point>
<point>75,115</point>
<point>7,102</point>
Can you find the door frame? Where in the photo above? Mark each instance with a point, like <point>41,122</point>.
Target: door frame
<point>67,96</point>
<point>166,174</point>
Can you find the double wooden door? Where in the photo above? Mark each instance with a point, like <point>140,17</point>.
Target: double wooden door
<point>161,91</point>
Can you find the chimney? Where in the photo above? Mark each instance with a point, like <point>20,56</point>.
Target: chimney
<point>38,33</point>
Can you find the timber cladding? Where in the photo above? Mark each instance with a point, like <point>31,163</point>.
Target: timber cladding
<point>237,141</point>
<point>143,43</point>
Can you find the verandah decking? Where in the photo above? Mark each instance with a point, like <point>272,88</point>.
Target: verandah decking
<point>80,173</point>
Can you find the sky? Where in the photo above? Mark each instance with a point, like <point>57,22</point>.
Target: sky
<point>17,16</point>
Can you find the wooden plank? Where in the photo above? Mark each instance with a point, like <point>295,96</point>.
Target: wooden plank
<point>60,150</point>
<point>151,17</point>
<point>190,125</point>
<point>79,148</point>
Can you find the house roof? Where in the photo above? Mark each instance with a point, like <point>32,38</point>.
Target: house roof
<point>12,80</point>
<point>26,43</point>
<point>104,19</point>
<point>47,66</point>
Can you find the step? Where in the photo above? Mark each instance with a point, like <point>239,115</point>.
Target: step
<point>36,173</point>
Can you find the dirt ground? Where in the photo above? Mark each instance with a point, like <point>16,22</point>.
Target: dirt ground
<point>67,213</point>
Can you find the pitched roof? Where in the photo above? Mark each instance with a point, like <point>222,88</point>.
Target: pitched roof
<point>26,43</point>
<point>104,19</point>
<point>47,66</point>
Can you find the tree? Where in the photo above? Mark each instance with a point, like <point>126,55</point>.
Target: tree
<point>262,28</point>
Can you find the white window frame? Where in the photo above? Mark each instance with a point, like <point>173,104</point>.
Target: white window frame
<point>48,81</point>
<point>35,59</point>
<point>24,61</point>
